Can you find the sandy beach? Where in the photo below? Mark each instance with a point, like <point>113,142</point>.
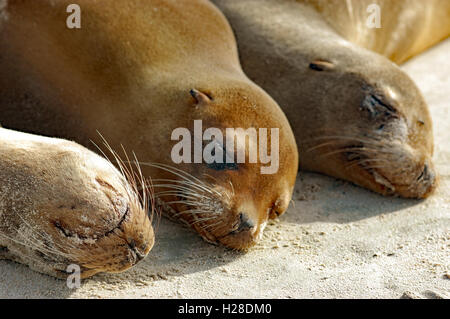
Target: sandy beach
<point>335,241</point>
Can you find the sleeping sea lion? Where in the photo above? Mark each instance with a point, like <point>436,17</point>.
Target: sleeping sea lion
<point>355,114</point>
<point>136,71</point>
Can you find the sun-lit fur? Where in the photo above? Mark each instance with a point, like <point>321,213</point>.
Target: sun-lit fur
<point>61,204</point>
<point>407,27</point>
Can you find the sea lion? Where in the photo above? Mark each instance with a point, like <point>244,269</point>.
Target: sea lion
<point>355,114</point>
<point>136,71</point>
<point>62,205</point>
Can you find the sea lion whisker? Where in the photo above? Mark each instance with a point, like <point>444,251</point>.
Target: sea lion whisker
<point>44,238</point>
<point>364,161</point>
<point>193,203</point>
<point>187,183</point>
<point>200,220</point>
<point>344,150</point>
<point>35,259</point>
<point>357,138</point>
<point>146,187</point>
<point>178,172</point>
<point>366,141</point>
<point>198,206</point>
<point>186,194</point>
<point>129,177</point>
<point>175,192</point>
<point>211,226</point>
<point>31,245</point>
<point>189,211</point>
<point>27,245</point>
<point>376,166</point>
<point>33,231</point>
<point>178,194</point>
<point>183,194</point>
<point>359,150</point>
<point>172,186</point>
<point>334,142</point>
<point>112,152</point>
<point>186,202</point>
<point>232,187</point>
<point>196,211</point>
<point>194,185</point>
<point>57,250</point>
<point>320,146</point>
<point>43,249</point>
<point>215,179</point>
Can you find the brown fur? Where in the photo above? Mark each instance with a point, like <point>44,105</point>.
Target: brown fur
<point>355,114</point>
<point>128,73</point>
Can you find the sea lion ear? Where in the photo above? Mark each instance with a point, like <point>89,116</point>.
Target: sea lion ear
<point>321,65</point>
<point>200,97</point>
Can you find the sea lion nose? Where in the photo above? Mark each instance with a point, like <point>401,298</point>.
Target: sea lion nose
<point>428,179</point>
<point>428,174</point>
<point>245,223</point>
<point>137,253</point>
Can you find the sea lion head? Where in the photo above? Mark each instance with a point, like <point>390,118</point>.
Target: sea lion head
<point>375,127</point>
<point>230,201</point>
<point>89,216</point>
<point>113,231</point>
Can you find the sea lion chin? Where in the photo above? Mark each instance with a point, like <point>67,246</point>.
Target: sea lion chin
<point>136,71</point>
<point>355,114</point>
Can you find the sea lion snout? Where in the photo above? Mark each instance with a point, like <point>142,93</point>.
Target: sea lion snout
<point>78,211</point>
<point>429,179</point>
<point>244,224</point>
<point>424,185</point>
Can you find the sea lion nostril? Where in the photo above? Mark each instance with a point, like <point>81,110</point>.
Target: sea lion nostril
<point>429,173</point>
<point>245,223</point>
<point>426,174</point>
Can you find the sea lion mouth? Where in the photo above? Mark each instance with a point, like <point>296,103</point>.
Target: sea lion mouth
<point>131,256</point>
<point>419,186</point>
<point>136,252</point>
<point>364,162</point>
<point>214,224</point>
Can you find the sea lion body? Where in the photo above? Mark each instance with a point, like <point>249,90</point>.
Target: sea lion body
<point>354,113</point>
<point>136,71</point>
<point>407,27</point>
<point>62,205</point>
